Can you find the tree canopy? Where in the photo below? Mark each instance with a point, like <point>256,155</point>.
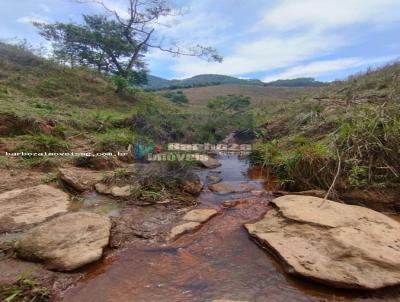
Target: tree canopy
<point>116,42</point>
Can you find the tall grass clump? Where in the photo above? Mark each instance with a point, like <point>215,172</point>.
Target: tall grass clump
<point>303,166</point>
<point>369,140</point>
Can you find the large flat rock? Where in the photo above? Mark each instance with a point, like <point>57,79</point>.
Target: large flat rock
<point>66,242</point>
<point>183,228</point>
<point>192,220</point>
<point>340,245</point>
<point>82,179</point>
<point>23,207</point>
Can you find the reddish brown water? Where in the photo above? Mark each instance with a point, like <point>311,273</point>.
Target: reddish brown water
<point>219,261</point>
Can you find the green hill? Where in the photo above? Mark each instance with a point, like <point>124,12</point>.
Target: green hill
<point>298,82</point>
<point>204,80</point>
<point>157,83</point>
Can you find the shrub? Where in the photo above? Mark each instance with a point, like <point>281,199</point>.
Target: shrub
<point>177,97</point>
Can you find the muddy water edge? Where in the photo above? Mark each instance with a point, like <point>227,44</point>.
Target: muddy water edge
<point>218,261</point>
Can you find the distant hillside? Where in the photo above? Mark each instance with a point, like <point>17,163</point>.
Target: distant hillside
<point>260,95</point>
<point>157,83</point>
<point>203,80</point>
<point>298,82</point>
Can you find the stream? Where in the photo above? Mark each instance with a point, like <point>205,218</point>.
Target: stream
<point>218,261</point>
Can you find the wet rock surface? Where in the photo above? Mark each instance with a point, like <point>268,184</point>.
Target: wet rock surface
<point>23,207</point>
<point>182,229</point>
<point>192,184</point>
<point>137,223</point>
<point>339,245</point>
<point>210,163</point>
<point>200,215</point>
<point>66,242</point>
<point>213,179</point>
<point>229,187</point>
<point>192,220</point>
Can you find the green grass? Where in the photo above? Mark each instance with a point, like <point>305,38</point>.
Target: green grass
<point>113,140</point>
<point>358,118</point>
<point>24,290</point>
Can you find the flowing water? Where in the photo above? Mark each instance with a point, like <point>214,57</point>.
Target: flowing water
<point>219,261</point>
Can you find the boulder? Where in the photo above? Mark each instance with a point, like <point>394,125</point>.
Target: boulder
<point>82,179</point>
<point>192,184</point>
<point>213,179</point>
<point>340,245</point>
<point>102,188</point>
<point>21,207</point>
<point>228,187</point>
<point>183,228</point>
<point>66,242</point>
<point>121,191</point>
<point>200,215</point>
<point>210,163</point>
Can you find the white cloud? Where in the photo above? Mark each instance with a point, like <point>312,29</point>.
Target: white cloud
<point>287,34</point>
<point>265,54</point>
<point>319,68</point>
<point>31,19</point>
<point>292,14</point>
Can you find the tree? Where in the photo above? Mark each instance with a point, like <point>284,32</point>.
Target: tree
<point>115,42</point>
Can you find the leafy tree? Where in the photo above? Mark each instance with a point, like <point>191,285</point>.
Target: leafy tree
<point>177,97</point>
<point>116,43</point>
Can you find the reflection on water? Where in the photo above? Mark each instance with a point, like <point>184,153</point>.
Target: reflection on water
<point>217,262</point>
<point>97,203</point>
<point>270,182</point>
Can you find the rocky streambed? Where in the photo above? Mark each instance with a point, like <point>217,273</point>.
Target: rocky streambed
<point>234,243</point>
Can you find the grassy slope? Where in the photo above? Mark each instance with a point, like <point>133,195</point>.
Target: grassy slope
<point>29,83</point>
<point>359,118</point>
<point>260,95</point>
<point>86,111</point>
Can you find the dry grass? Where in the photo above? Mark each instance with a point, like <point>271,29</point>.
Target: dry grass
<point>260,95</point>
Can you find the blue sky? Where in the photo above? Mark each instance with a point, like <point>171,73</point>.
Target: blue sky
<point>265,39</point>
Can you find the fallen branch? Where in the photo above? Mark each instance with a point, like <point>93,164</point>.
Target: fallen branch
<point>335,178</point>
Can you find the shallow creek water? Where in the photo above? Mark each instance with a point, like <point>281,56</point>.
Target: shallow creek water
<point>218,261</point>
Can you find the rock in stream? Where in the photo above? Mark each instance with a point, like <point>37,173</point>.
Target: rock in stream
<point>24,207</point>
<point>339,245</point>
<point>66,242</point>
